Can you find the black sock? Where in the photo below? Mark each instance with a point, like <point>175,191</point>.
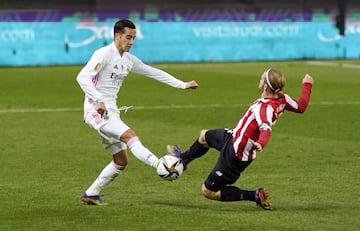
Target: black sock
<point>195,151</point>
<point>231,193</point>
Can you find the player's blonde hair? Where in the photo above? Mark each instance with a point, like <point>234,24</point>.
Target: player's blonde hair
<point>276,81</point>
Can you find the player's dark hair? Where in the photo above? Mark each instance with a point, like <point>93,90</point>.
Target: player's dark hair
<point>121,24</point>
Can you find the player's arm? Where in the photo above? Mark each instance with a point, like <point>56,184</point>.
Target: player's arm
<point>263,118</point>
<point>301,104</point>
<point>86,75</point>
<point>146,70</point>
<point>85,80</point>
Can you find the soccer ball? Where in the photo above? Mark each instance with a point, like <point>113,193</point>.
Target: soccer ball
<point>170,167</point>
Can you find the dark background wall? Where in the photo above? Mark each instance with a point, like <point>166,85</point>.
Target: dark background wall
<point>110,5</point>
<point>179,10</point>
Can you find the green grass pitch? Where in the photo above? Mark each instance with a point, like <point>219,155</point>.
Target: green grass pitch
<point>48,157</point>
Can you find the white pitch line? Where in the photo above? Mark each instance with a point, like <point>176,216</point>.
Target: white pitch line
<point>159,107</point>
<point>333,64</point>
<point>350,65</point>
<point>27,110</point>
<point>336,103</point>
<point>162,107</point>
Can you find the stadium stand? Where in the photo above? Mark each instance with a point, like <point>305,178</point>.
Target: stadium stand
<point>175,11</point>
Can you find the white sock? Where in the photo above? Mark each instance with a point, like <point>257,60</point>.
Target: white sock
<point>108,174</point>
<point>142,153</point>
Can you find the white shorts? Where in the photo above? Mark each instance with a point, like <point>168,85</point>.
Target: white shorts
<point>109,129</point>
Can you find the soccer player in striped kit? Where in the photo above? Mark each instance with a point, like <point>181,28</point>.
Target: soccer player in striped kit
<point>238,147</point>
<point>101,79</point>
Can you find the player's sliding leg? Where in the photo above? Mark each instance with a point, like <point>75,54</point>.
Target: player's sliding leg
<point>260,196</point>
<point>174,150</point>
<point>232,193</point>
<point>262,199</point>
<point>195,151</point>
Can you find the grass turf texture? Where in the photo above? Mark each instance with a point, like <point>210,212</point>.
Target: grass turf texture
<point>48,157</point>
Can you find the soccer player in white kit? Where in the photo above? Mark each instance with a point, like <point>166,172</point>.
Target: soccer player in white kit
<point>101,79</point>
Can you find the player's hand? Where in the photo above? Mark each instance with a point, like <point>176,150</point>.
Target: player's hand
<point>101,109</point>
<point>308,79</point>
<point>256,146</point>
<point>191,85</point>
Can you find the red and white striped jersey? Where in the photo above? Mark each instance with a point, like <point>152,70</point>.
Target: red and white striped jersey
<point>258,120</point>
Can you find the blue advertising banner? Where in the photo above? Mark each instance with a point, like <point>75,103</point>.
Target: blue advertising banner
<point>72,43</point>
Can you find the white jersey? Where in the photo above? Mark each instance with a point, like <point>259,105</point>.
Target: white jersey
<point>102,77</point>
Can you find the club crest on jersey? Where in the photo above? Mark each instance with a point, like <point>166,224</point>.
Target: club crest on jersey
<point>97,67</point>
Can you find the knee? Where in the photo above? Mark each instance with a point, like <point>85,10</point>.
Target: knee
<point>202,139</point>
<point>209,194</point>
<point>127,135</point>
<point>121,159</point>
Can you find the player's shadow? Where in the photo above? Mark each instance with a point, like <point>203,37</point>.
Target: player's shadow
<point>244,206</point>
<point>210,206</point>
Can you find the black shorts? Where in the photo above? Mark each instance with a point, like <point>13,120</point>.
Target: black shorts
<point>228,167</point>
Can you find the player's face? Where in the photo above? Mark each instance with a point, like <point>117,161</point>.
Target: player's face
<point>124,41</point>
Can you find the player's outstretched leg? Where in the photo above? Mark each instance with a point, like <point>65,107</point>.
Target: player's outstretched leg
<point>262,199</point>
<point>174,150</point>
<point>196,150</point>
